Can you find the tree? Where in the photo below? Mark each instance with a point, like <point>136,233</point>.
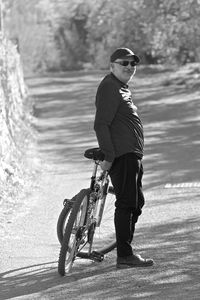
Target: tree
<point>60,34</point>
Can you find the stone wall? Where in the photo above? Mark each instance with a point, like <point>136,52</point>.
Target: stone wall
<point>16,133</point>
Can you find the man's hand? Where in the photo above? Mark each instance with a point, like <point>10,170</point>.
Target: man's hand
<point>105,165</point>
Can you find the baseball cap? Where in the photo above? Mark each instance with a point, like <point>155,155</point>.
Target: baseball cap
<point>124,53</point>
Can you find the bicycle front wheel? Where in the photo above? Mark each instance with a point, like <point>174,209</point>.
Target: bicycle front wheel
<point>63,219</point>
<point>74,236</point>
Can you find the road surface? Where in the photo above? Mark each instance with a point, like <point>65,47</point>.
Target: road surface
<point>168,230</point>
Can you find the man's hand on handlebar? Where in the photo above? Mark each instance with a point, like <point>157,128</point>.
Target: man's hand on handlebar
<point>105,165</point>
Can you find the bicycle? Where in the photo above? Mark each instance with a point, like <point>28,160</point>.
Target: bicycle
<point>86,225</point>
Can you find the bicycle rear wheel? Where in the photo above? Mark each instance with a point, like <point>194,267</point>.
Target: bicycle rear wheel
<point>74,236</point>
<point>104,238</point>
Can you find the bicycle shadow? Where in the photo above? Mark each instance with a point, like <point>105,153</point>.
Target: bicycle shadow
<point>32,280</point>
<point>26,280</point>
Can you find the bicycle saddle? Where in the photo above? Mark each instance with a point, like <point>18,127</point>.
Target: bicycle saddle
<point>94,153</point>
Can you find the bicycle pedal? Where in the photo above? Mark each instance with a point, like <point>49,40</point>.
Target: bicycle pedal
<point>97,256</point>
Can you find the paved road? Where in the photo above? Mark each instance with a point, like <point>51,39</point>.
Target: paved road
<point>168,230</point>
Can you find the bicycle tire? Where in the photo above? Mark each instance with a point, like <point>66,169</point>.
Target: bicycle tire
<point>64,262</point>
<point>111,246</point>
<point>63,218</point>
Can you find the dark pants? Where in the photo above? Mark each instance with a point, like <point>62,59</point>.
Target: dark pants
<point>126,176</point>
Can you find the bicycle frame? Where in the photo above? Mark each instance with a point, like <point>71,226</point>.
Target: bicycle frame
<point>96,189</point>
<point>86,212</point>
<point>94,173</point>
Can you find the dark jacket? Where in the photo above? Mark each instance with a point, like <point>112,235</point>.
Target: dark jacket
<point>117,125</point>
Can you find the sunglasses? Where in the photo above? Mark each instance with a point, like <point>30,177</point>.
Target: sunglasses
<point>125,63</point>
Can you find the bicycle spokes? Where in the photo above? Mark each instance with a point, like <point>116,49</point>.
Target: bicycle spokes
<point>89,232</point>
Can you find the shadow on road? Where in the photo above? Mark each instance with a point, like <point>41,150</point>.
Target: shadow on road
<point>64,117</point>
<point>173,245</point>
<point>26,280</point>
<point>172,138</point>
<point>65,107</point>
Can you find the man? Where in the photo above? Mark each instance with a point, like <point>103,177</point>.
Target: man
<point>119,133</point>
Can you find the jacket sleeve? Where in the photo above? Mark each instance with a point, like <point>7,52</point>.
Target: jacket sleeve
<point>107,102</point>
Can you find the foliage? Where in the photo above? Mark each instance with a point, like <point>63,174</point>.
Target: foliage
<point>160,31</point>
<point>59,34</point>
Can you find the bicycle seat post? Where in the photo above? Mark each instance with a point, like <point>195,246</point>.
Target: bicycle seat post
<point>94,173</point>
